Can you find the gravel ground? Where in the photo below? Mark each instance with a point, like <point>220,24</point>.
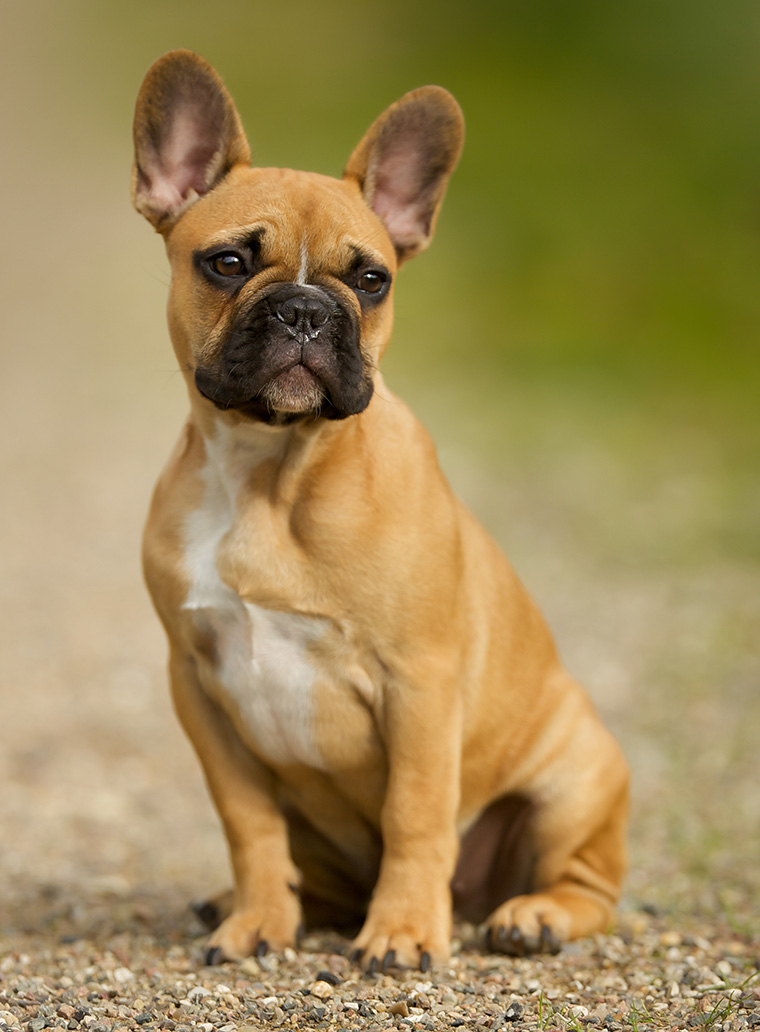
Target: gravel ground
<point>639,978</point>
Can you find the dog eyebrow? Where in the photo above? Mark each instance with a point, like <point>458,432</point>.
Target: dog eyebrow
<point>363,256</point>
<point>244,236</point>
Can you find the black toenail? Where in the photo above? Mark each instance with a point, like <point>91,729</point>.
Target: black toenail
<point>207,912</point>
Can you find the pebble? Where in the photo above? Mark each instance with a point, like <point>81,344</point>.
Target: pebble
<point>197,992</point>
<point>322,990</point>
<point>400,1008</point>
<point>250,966</point>
<point>329,977</point>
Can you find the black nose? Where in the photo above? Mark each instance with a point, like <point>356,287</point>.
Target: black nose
<point>304,314</point>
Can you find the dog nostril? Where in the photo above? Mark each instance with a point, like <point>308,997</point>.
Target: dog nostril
<point>305,313</point>
<point>288,312</point>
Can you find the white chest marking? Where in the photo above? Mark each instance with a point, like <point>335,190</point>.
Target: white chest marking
<point>262,662</point>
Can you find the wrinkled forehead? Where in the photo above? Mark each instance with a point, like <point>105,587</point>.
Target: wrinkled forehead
<point>286,209</point>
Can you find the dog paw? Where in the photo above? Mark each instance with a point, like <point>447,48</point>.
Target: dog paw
<point>528,924</point>
<point>252,932</point>
<point>380,946</point>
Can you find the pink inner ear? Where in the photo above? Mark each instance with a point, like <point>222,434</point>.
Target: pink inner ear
<point>399,198</point>
<point>181,163</point>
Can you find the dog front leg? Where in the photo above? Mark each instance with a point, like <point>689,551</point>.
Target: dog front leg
<point>409,918</point>
<point>266,912</point>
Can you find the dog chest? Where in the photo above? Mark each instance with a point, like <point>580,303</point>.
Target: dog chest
<point>266,667</point>
<point>260,671</point>
<point>254,661</point>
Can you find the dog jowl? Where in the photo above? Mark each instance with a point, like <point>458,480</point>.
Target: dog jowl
<point>378,707</point>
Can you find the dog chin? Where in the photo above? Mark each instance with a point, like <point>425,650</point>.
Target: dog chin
<point>295,391</point>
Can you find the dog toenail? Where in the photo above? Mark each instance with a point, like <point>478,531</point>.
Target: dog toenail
<point>389,959</point>
<point>207,912</point>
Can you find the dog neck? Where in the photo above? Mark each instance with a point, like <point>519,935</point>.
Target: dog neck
<point>264,457</point>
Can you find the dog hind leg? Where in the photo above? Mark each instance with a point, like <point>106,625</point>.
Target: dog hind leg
<point>574,888</point>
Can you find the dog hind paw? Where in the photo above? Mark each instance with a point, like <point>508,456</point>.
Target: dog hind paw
<point>528,924</point>
<point>514,941</point>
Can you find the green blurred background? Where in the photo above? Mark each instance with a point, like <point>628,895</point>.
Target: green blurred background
<point>582,336</point>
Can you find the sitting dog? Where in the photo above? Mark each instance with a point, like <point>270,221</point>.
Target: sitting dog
<point>378,707</point>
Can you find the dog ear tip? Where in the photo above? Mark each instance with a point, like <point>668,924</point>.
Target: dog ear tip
<point>438,96</point>
<point>179,56</point>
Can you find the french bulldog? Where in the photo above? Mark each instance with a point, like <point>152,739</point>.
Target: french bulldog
<point>382,719</point>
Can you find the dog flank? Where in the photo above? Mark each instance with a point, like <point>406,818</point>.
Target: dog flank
<point>375,700</point>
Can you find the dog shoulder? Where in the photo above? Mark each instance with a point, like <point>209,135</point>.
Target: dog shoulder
<point>178,490</point>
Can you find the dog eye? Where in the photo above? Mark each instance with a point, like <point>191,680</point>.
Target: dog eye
<point>227,264</point>
<point>371,282</point>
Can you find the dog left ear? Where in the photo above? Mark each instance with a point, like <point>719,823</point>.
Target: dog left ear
<point>188,136</point>
<point>404,161</point>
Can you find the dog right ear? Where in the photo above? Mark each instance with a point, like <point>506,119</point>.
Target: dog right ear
<point>187,134</point>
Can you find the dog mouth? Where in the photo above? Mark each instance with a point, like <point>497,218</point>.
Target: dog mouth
<point>293,392</point>
<point>294,354</point>
<point>296,390</point>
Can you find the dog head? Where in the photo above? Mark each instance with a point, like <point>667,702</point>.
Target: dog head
<point>282,281</point>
